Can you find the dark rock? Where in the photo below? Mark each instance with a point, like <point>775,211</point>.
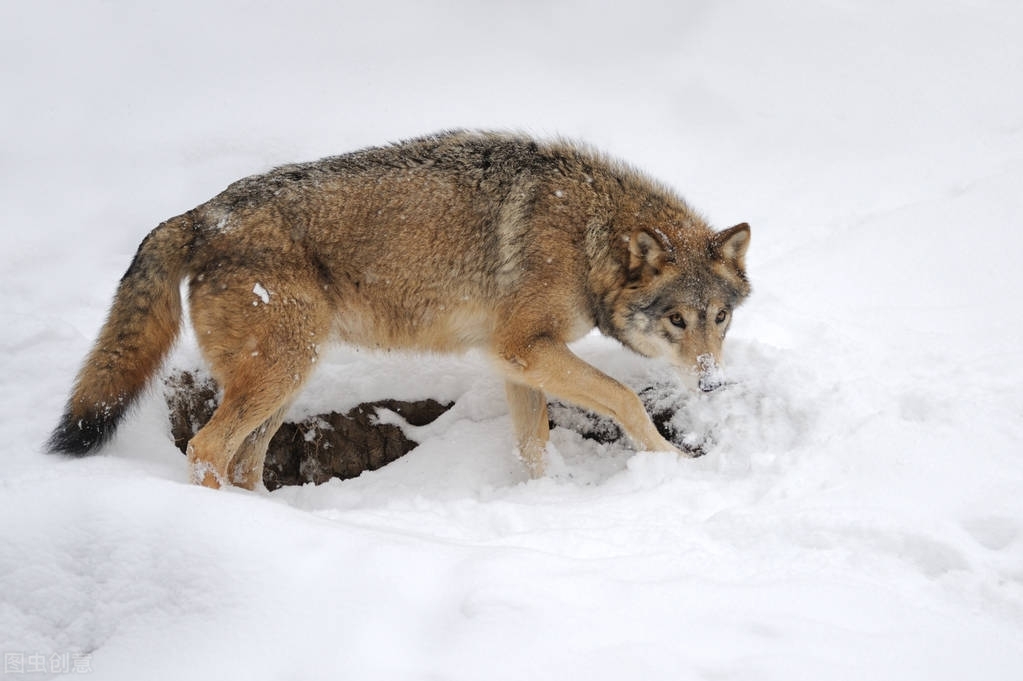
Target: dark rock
<point>343,445</point>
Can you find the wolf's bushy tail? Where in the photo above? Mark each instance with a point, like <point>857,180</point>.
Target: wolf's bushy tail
<point>139,331</point>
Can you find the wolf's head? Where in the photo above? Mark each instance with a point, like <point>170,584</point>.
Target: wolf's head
<point>679,296</point>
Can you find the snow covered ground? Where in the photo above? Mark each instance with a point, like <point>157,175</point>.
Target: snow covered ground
<point>860,513</point>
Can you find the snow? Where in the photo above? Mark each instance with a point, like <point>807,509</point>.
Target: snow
<point>261,293</point>
<point>858,513</point>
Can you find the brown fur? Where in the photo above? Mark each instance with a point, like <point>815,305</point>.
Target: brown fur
<point>449,242</point>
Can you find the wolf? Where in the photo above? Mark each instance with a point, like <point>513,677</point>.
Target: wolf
<point>458,240</point>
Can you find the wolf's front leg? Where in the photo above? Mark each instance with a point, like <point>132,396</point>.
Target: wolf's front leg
<point>549,366</point>
<point>528,407</point>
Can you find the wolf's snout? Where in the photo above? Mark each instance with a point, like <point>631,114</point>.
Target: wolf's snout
<point>710,375</point>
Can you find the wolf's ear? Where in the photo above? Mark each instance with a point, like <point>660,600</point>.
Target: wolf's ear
<point>731,244</point>
<point>647,254</point>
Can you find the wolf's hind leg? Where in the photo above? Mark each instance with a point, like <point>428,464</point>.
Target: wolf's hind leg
<point>246,406</point>
<point>246,469</point>
<point>528,407</point>
<point>261,341</point>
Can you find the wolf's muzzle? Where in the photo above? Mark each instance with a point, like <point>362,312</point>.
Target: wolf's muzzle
<point>711,376</point>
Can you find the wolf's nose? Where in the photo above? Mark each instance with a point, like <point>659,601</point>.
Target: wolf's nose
<point>711,376</point>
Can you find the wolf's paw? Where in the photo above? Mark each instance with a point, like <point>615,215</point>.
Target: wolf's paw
<point>681,450</point>
<point>534,461</point>
<point>204,473</point>
<point>664,447</point>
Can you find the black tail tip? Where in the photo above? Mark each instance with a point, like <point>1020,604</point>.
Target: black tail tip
<point>78,437</point>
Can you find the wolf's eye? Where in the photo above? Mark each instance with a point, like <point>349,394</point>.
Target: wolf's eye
<point>678,320</point>
<point>722,316</point>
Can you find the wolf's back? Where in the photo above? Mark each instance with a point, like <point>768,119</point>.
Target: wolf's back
<point>139,331</point>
